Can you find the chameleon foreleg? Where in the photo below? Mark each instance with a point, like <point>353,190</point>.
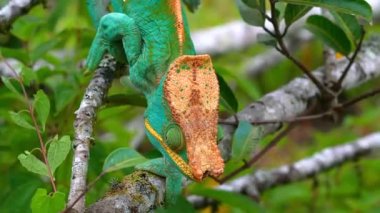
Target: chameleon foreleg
<point>173,176</point>
<point>115,29</point>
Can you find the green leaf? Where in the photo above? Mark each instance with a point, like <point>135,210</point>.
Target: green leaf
<point>181,203</point>
<point>44,203</point>
<point>252,16</point>
<point>255,4</point>
<point>266,39</point>
<point>122,158</point>
<point>58,151</point>
<point>233,199</point>
<point>33,164</point>
<point>133,99</point>
<point>41,105</point>
<point>21,118</point>
<point>350,26</point>
<point>28,75</point>
<point>19,197</point>
<point>294,12</point>
<point>330,33</point>
<point>43,48</point>
<point>19,54</point>
<point>227,97</point>
<point>244,140</point>
<point>356,7</point>
<point>192,5</point>
<point>7,82</point>
<point>244,83</point>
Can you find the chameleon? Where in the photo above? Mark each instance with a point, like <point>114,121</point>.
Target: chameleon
<point>181,88</point>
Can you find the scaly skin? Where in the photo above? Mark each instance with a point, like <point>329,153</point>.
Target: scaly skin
<point>181,89</point>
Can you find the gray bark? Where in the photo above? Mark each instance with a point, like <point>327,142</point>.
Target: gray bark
<point>83,126</point>
<point>13,10</point>
<point>293,99</point>
<point>324,160</point>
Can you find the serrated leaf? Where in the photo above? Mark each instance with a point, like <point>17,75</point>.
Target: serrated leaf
<point>41,105</point>
<point>227,97</point>
<point>294,12</point>
<point>58,151</point>
<point>122,158</point>
<point>357,7</point>
<point>33,164</point>
<point>244,140</point>
<point>21,118</point>
<point>250,15</point>
<point>233,199</point>
<point>44,203</point>
<point>350,25</point>
<point>330,33</point>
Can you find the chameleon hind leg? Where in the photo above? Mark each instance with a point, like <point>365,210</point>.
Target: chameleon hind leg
<point>173,176</point>
<point>118,35</point>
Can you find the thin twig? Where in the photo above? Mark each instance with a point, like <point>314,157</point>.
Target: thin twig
<point>34,120</point>
<point>255,158</point>
<point>88,187</point>
<point>351,60</point>
<point>360,98</point>
<point>284,50</point>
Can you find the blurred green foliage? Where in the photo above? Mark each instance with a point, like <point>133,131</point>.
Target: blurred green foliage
<point>54,41</point>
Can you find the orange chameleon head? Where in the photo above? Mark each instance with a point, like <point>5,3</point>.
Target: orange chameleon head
<point>192,93</point>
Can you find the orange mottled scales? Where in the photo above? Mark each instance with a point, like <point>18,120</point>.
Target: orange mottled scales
<point>177,11</point>
<point>192,92</point>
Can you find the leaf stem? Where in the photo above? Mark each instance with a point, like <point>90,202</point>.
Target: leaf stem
<point>34,120</point>
<point>351,60</point>
<point>256,157</point>
<point>284,50</point>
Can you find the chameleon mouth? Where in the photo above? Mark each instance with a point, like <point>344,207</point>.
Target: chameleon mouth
<point>191,90</point>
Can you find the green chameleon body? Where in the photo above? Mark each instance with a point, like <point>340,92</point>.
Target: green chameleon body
<point>181,89</point>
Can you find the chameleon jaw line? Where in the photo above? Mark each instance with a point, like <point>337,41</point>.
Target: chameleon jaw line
<point>182,165</point>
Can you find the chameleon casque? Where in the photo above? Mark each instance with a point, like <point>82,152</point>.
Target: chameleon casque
<point>181,87</point>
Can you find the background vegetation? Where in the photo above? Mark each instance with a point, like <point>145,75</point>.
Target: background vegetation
<point>53,42</point>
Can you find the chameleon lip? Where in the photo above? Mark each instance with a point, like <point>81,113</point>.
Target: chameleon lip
<point>181,164</point>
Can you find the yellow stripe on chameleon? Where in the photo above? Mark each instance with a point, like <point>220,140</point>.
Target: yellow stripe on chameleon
<point>182,165</point>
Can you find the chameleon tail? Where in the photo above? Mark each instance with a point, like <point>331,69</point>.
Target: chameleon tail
<point>97,9</point>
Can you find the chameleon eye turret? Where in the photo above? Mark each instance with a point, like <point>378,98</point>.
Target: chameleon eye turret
<point>174,137</point>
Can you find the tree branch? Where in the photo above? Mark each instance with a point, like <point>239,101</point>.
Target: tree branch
<point>83,125</point>
<point>324,160</point>
<point>294,98</point>
<point>14,9</point>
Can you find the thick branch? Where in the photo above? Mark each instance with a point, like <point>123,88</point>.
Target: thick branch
<point>322,161</point>
<point>293,99</point>
<point>11,11</point>
<point>84,121</point>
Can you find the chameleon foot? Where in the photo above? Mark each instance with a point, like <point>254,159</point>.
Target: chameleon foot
<point>173,177</point>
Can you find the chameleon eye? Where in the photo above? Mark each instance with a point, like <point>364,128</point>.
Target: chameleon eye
<point>174,137</point>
